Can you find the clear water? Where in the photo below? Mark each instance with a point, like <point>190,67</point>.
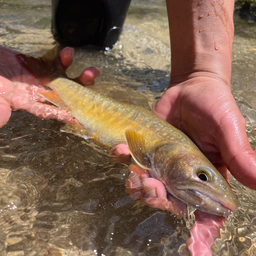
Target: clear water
<point>61,195</point>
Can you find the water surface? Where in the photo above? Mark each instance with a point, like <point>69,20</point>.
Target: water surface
<point>61,195</point>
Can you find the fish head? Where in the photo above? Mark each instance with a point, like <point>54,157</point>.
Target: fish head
<point>190,176</point>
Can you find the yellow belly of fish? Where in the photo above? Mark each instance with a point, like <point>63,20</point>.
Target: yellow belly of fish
<point>106,120</point>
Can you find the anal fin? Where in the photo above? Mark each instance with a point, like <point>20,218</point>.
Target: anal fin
<point>77,129</point>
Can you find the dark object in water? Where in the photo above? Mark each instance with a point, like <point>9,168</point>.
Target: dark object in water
<point>80,22</point>
<point>246,10</point>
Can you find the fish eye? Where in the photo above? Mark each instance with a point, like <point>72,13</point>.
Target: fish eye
<point>203,175</point>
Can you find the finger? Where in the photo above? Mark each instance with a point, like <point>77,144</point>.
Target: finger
<point>166,106</point>
<point>136,177</point>
<point>134,185</point>
<point>154,188</point>
<point>88,76</point>
<point>235,148</point>
<point>5,112</point>
<point>243,167</point>
<point>120,153</point>
<point>154,193</point>
<point>48,112</point>
<point>120,149</point>
<point>156,197</point>
<point>164,204</point>
<point>66,57</point>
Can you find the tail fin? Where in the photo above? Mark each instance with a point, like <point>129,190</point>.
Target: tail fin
<point>45,68</point>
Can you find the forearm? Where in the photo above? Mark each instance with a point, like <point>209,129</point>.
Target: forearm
<point>201,35</point>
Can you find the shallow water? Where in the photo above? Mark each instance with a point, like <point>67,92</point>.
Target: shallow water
<point>61,195</point>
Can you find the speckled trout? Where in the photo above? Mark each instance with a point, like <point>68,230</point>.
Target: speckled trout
<point>155,145</point>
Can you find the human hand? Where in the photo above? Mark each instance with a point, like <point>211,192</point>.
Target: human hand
<point>204,108</point>
<point>153,193</point>
<point>19,89</point>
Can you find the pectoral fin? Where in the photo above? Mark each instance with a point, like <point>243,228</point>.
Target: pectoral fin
<point>136,145</point>
<point>77,129</point>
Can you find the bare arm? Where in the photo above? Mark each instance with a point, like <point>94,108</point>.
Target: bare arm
<point>199,99</point>
<point>201,38</point>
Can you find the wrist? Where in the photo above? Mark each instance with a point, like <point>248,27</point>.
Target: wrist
<point>199,76</point>
<point>203,63</point>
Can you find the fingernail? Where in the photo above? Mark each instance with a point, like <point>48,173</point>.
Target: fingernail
<point>70,50</point>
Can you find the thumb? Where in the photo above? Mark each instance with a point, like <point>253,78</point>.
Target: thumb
<point>235,148</point>
<point>5,112</point>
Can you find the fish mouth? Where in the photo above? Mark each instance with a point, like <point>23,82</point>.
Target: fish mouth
<point>209,205</point>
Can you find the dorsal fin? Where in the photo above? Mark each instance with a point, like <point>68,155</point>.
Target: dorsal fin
<point>136,145</point>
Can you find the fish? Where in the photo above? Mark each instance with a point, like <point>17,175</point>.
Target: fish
<point>164,151</point>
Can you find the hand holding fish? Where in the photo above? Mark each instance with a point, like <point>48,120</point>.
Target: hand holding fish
<point>152,192</point>
<point>205,109</point>
<point>200,103</point>
<point>199,99</point>
<point>19,89</point>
